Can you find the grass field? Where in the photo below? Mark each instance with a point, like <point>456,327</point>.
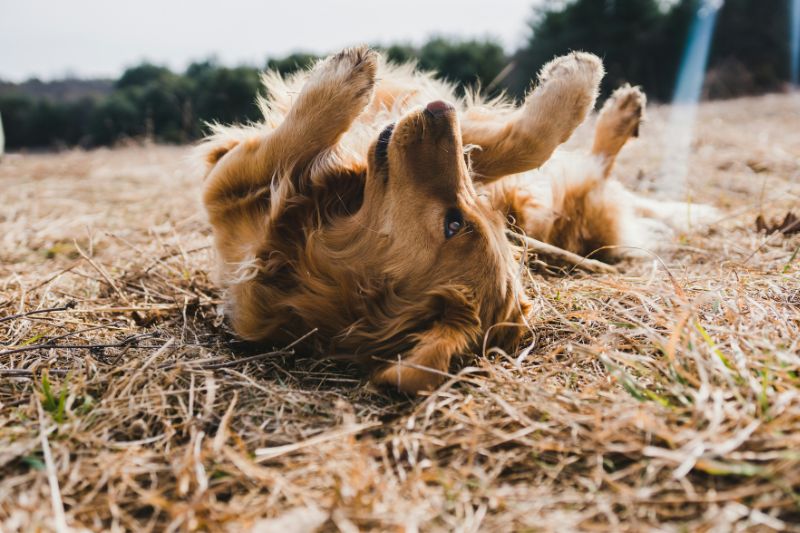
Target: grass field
<point>664,397</point>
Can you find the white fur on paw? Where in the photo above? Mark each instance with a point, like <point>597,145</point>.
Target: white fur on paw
<point>578,70</point>
<point>680,216</point>
<point>627,99</point>
<point>685,217</point>
<point>360,61</point>
<point>703,214</point>
<point>567,91</point>
<point>624,110</point>
<point>352,69</point>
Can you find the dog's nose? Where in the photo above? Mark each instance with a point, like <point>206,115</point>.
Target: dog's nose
<point>439,107</point>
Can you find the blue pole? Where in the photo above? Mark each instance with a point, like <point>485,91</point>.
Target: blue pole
<point>794,22</point>
<point>680,130</point>
<point>695,55</point>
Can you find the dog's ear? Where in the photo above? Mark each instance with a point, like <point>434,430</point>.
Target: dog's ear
<point>456,325</point>
<point>217,150</point>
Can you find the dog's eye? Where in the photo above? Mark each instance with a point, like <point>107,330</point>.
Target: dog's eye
<point>453,222</point>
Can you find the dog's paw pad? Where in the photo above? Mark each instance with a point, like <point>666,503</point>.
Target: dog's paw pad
<point>627,103</point>
<point>567,91</point>
<point>355,66</point>
<point>578,68</point>
<point>628,99</point>
<point>624,110</point>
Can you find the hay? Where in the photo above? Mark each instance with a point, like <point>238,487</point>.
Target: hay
<point>666,396</point>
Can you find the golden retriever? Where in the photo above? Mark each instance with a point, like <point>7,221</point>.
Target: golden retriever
<point>372,205</point>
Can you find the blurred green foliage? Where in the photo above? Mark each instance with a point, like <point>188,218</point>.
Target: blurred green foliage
<point>640,41</point>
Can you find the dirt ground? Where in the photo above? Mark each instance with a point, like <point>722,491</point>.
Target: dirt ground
<point>664,397</point>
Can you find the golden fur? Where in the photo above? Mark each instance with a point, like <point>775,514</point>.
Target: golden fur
<point>325,219</point>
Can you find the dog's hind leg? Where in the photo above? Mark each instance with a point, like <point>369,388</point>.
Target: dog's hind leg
<point>594,213</point>
<point>525,138</point>
<point>619,120</point>
<point>335,94</point>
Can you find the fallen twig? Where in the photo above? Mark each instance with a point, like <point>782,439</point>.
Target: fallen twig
<point>125,342</point>
<point>38,312</point>
<point>213,363</point>
<point>100,270</point>
<point>222,361</point>
<point>25,373</point>
<point>562,256</point>
<point>265,454</point>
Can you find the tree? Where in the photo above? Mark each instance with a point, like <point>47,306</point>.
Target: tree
<point>292,62</point>
<point>629,35</point>
<point>401,53</point>
<point>225,95</point>
<point>642,42</point>
<point>750,51</point>
<point>115,117</point>
<point>17,111</point>
<point>141,75</point>
<point>466,63</point>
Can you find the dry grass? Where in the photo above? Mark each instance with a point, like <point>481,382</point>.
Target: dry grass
<point>666,397</point>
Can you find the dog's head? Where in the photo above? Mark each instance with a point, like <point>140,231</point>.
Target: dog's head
<point>443,243</point>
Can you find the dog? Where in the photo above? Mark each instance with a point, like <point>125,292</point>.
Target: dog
<point>371,206</point>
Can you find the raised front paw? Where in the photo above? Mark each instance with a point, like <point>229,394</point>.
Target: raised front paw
<point>348,75</point>
<point>567,90</point>
<point>578,72</point>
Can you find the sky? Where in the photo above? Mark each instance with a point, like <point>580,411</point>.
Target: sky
<point>51,39</point>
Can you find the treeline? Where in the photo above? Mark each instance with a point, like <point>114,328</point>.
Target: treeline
<point>150,101</point>
<point>640,41</point>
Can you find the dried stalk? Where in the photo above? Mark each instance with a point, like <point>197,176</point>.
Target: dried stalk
<point>561,256</point>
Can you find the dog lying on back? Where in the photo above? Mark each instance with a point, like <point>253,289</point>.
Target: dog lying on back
<point>372,205</point>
